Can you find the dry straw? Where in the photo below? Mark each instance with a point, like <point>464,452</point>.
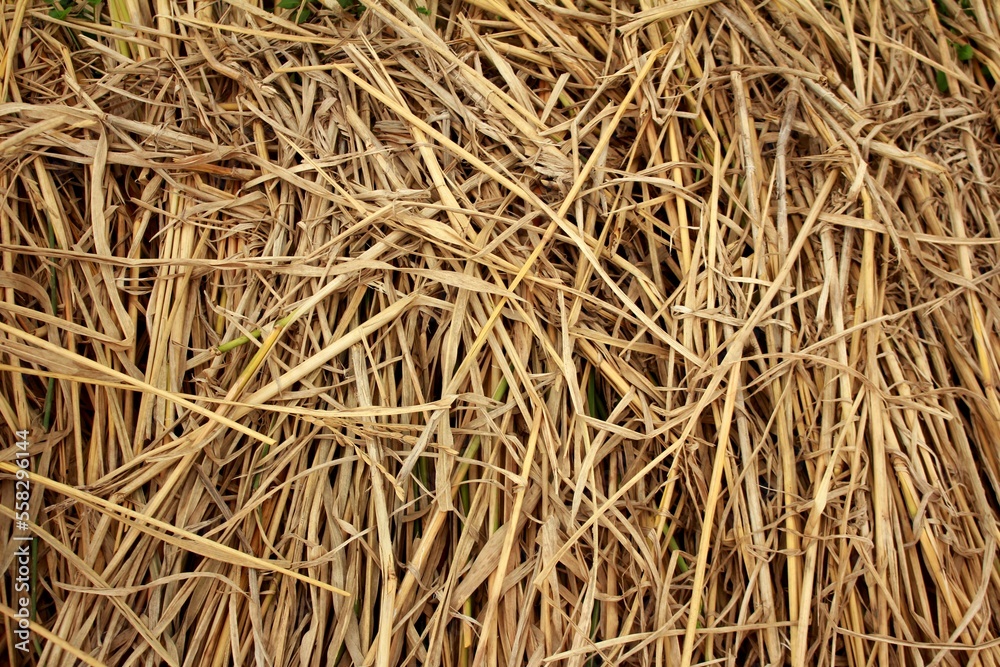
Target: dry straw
<point>465,333</point>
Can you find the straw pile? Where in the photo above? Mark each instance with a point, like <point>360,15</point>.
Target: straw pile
<point>467,333</point>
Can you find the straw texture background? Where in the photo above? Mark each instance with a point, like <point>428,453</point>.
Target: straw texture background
<point>467,333</point>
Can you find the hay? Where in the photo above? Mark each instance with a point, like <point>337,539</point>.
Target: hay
<point>468,333</point>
